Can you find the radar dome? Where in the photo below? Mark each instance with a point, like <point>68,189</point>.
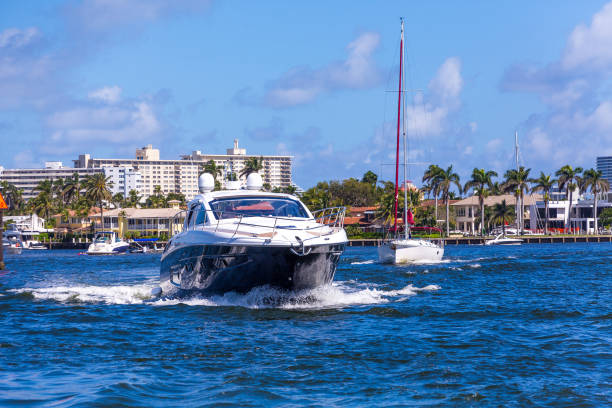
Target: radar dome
<point>206,183</point>
<point>254,182</point>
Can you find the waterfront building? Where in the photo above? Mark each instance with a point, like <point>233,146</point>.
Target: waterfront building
<point>72,222</point>
<point>143,221</point>
<point>468,209</point>
<point>604,164</point>
<point>27,223</point>
<point>28,179</point>
<point>181,176</point>
<point>582,219</point>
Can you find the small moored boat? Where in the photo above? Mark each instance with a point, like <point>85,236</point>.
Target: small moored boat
<point>501,239</point>
<point>107,243</point>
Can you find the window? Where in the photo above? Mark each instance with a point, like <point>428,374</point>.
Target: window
<point>201,218</point>
<point>257,207</point>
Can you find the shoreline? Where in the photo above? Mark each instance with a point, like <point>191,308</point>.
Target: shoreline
<point>566,239</point>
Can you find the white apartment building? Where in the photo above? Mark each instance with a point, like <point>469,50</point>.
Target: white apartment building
<point>28,179</point>
<point>276,169</point>
<point>181,176</point>
<point>123,178</point>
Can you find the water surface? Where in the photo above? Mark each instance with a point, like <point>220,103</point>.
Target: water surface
<point>515,326</point>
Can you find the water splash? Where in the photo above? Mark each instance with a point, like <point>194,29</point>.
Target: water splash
<point>338,294</point>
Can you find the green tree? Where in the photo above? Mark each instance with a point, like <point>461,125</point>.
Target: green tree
<point>606,217</point>
<point>212,168</point>
<point>252,165</point>
<point>568,180</point>
<point>431,179</point>
<point>593,179</point>
<point>503,213</point>
<point>133,199</point>
<point>481,183</point>
<point>118,200</point>
<point>97,189</point>
<point>72,189</point>
<point>517,183</point>
<point>544,184</point>
<point>445,180</point>
<point>370,178</point>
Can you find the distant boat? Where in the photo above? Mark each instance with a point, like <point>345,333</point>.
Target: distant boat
<point>11,241</point>
<point>405,249</point>
<point>501,239</point>
<point>107,243</point>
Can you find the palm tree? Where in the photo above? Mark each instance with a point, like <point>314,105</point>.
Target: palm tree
<point>568,181</point>
<point>118,200</point>
<point>481,183</point>
<point>593,180</point>
<point>58,187</point>
<point>133,198</point>
<point>517,184</point>
<point>252,165</point>
<point>543,184</point>
<point>97,190</point>
<point>431,177</point>
<point>212,168</point>
<point>72,189</point>
<point>42,204</point>
<point>502,213</point>
<point>445,180</point>
<point>13,196</point>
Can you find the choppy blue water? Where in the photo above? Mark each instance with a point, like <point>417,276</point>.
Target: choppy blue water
<point>515,326</point>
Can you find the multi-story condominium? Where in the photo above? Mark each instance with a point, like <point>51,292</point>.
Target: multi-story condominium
<point>181,176</point>
<point>604,164</point>
<point>123,179</point>
<point>28,179</point>
<point>276,169</point>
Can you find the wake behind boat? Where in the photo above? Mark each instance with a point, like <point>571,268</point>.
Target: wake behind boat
<point>404,249</point>
<point>240,239</point>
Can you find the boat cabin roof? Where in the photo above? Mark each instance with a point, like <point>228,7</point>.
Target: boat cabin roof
<point>208,197</point>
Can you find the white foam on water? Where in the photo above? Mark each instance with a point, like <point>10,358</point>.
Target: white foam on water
<point>338,294</point>
<point>475,265</point>
<point>116,295</point>
<point>369,262</point>
<point>431,261</point>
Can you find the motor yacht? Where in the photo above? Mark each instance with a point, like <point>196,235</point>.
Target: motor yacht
<point>501,239</point>
<point>11,241</point>
<point>235,240</point>
<point>107,243</point>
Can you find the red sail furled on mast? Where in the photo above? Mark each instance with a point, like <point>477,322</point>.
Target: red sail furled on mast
<point>399,113</point>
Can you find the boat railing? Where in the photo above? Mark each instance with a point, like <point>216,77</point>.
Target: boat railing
<point>329,220</point>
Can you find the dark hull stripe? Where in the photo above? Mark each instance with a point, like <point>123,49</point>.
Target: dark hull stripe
<point>224,268</point>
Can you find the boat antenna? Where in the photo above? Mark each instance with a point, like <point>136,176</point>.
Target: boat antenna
<point>399,113</point>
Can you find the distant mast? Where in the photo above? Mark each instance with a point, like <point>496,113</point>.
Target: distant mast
<point>519,216</point>
<point>404,126</point>
<point>399,113</point>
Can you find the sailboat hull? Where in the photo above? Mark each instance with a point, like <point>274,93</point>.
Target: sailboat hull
<point>409,251</point>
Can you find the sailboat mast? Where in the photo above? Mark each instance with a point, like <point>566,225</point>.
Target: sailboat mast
<point>519,216</point>
<point>399,113</point>
<point>406,225</point>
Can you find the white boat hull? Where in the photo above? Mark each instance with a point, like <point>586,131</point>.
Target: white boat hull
<point>501,240</point>
<point>409,251</point>
<point>108,249</point>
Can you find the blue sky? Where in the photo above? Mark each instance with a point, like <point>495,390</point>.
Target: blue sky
<point>310,79</point>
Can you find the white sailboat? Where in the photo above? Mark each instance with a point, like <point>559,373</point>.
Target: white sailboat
<point>405,249</point>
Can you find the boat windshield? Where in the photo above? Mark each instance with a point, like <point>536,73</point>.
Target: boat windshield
<point>257,207</point>
<point>103,238</point>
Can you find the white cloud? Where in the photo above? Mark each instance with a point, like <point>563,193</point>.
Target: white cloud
<point>590,47</point>
<point>16,38</point>
<point>302,85</point>
<point>108,94</point>
<point>447,83</point>
<point>79,127</point>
